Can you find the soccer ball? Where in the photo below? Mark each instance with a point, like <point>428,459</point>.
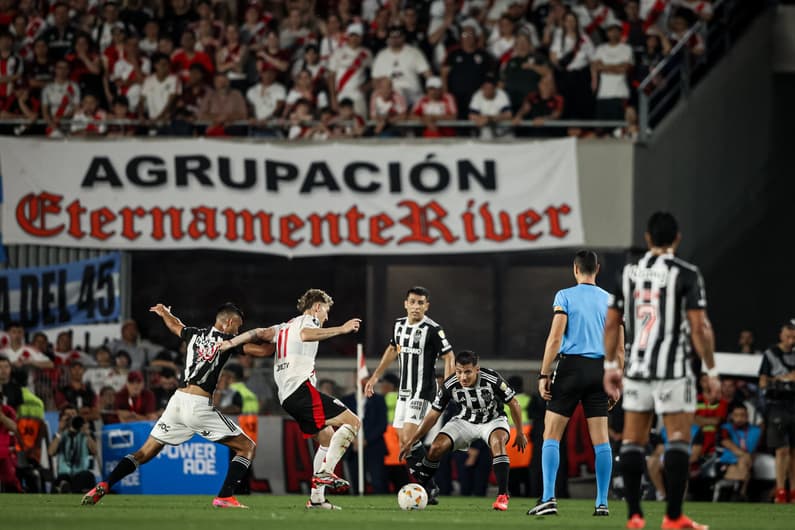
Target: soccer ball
<point>412,497</point>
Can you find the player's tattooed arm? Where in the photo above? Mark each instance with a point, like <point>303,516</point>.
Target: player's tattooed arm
<point>173,323</point>
<point>256,334</point>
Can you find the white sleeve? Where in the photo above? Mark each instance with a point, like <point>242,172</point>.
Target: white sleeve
<point>279,92</point>
<point>420,61</point>
<point>380,66</point>
<point>630,57</point>
<point>476,103</point>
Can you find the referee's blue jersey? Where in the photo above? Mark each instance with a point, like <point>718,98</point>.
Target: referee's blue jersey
<point>585,306</point>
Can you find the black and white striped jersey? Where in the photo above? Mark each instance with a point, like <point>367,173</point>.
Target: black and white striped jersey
<point>203,362</point>
<point>419,345</point>
<point>482,402</point>
<point>654,297</point>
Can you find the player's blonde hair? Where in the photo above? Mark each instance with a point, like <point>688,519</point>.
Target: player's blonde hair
<point>313,296</point>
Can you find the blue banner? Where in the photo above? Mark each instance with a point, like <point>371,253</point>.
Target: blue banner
<point>196,467</point>
<point>82,292</point>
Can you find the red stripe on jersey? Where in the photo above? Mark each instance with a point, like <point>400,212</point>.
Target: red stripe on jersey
<point>280,344</point>
<point>286,334</point>
<point>318,414</point>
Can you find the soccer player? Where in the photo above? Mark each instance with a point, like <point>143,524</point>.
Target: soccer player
<point>417,341</point>
<point>482,395</point>
<point>664,307</point>
<point>190,410</point>
<point>317,414</point>
<point>576,338</point>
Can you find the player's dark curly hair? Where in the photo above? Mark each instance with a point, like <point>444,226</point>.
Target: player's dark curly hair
<point>313,296</point>
<point>228,310</point>
<point>419,291</point>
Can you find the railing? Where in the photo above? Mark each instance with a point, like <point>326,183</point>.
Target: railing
<point>278,125</point>
<point>674,77</point>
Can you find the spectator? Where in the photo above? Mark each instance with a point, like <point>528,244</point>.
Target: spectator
<point>611,64</point>
<point>166,358</point>
<point>159,95</point>
<point>300,120</point>
<point>571,52</point>
<point>267,102</point>
<point>128,73</point>
<point>78,394</point>
<point>374,446</point>
<point>235,397</point>
<point>120,112</point>
<point>60,99</point>
<point>40,71</point>
<point>443,30</point>
<point>387,107</point>
<point>10,390</point>
<point>347,67</point>
<point>403,64</point>
<point>310,60</point>
<point>11,67</point>
<point>656,48</point>
<point>136,349</point>
<point>107,405</point>
<point>231,57</point>
<point>489,106</point>
<point>74,446</point>
<point>167,384</point>
<point>348,124</point>
<point>115,51</point>
<point>187,56</point>
<point>740,441</point>
<point>502,38</point>
<point>24,30</point>
<point>207,40</point>
<point>89,120</point>
<point>378,32</point>
<point>436,105</point>
<point>333,38</point>
<point>271,55</point>
<point>633,31</point>
<point>294,33</point>
<point>134,402</point>
<point>85,66</point>
<point>8,456</point>
<point>150,42</point>
<point>222,107</point>
<point>681,21</point>
<point>546,104</point>
<point>521,73</point>
<point>554,21</point>
<point>21,354</point>
<point>745,344</point>
<point>21,105</point>
<point>465,70</point>
<point>42,345</point>
<point>64,350</point>
<point>698,8</point>
<point>595,18</point>
<point>710,416</point>
<point>178,17</point>
<point>416,33</point>
<point>60,37</point>
<point>102,34</point>
<point>254,27</point>
<point>324,128</point>
<point>305,89</point>
<point>655,464</point>
<point>105,372</point>
<point>123,362</point>
<point>777,381</point>
<point>165,45</point>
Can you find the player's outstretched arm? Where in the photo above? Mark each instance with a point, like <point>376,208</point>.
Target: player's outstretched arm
<point>613,367</point>
<point>427,422</point>
<point>704,343</point>
<point>173,324</point>
<point>259,350</point>
<point>389,356</point>
<point>262,334</point>
<point>516,415</point>
<point>316,334</point>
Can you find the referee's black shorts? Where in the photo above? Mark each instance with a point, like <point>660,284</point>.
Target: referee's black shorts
<point>578,379</point>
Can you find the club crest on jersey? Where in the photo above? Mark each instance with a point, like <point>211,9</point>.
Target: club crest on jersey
<point>205,348</point>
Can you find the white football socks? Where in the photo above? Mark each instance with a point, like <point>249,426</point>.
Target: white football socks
<point>336,448</point>
<point>318,494</point>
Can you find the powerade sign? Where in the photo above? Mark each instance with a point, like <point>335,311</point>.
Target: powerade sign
<point>196,467</point>
<point>82,292</point>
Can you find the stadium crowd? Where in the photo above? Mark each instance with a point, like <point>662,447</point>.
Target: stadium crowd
<point>130,379</point>
<point>304,69</point>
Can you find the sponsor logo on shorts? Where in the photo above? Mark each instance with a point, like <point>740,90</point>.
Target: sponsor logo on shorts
<point>665,396</point>
<point>417,405</point>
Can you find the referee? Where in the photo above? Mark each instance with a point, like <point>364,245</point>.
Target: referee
<point>576,338</point>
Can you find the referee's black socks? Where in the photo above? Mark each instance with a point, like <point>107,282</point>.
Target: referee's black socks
<point>633,460</point>
<point>126,465</point>
<point>677,468</point>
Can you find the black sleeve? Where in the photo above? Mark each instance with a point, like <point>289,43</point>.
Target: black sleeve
<point>695,294</point>
<point>503,390</point>
<point>439,341</point>
<point>188,332</point>
<point>616,299</point>
<point>443,397</point>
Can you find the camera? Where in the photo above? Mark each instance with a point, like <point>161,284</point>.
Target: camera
<point>77,423</point>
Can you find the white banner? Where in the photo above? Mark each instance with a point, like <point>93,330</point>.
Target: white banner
<point>305,200</point>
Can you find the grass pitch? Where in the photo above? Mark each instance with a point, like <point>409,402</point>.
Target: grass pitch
<point>188,512</point>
